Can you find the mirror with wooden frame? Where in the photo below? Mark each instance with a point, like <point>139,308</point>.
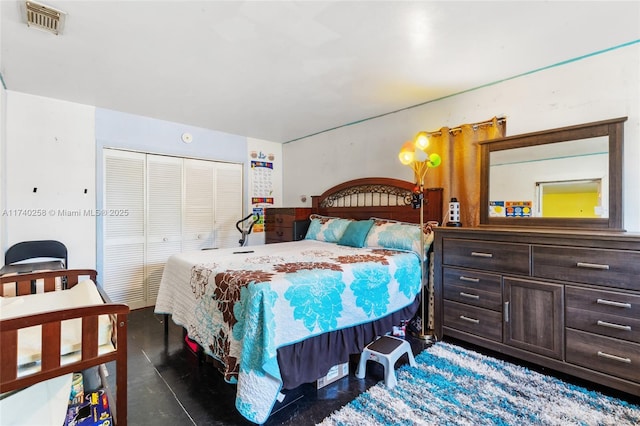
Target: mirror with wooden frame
<point>569,177</point>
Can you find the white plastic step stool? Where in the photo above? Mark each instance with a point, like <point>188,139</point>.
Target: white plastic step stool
<point>386,351</point>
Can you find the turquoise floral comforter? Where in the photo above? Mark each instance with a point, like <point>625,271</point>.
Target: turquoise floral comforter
<point>241,307</point>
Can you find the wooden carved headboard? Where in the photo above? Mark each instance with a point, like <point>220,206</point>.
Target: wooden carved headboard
<point>378,197</point>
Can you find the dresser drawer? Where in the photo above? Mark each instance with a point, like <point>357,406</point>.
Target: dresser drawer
<point>474,288</point>
<point>612,356</point>
<point>284,224</point>
<point>603,312</point>
<point>279,219</point>
<point>612,268</point>
<point>487,255</point>
<point>478,321</point>
<point>277,233</point>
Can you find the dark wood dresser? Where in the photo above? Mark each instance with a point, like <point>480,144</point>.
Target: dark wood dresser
<point>569,301</point>
<point>284,224</point>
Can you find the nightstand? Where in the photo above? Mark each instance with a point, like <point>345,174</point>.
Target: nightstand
<point>284,224</point>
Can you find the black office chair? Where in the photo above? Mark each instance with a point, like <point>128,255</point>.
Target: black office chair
<point>35,249</point>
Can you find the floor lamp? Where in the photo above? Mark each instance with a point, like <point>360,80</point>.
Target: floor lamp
<point>414,154</point>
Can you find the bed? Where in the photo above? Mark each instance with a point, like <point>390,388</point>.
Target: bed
<point>279,315</point>
<point>55,323</point>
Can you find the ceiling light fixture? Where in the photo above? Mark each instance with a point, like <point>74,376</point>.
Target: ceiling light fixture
<point>44,17</point>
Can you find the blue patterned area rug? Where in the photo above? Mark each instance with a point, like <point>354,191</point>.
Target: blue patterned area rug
<point>455,386</point>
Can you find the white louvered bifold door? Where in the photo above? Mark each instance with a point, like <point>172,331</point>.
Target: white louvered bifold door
<point>173,205</point>
<point>197,228</point>
<point>124,237</point>
<point>228,204</point>
<point>164,218</point>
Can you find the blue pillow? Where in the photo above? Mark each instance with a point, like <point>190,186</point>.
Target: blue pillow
<point>356,233</point>
<point>399,236</point>
<point>326,228</point>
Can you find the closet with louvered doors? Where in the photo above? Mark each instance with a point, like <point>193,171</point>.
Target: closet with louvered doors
<point>172,205</point>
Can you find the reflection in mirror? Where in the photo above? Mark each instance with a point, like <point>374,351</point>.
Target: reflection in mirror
<point>569,177</point>
<point>564,179</point>
<point>570,198</point>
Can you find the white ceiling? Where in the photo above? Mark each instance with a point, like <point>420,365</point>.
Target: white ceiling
<point>282,70</point>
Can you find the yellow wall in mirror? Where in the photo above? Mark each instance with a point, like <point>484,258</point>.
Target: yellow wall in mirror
<point>572,204</point>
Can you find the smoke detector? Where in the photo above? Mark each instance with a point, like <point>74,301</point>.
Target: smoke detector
<point>44,17</point>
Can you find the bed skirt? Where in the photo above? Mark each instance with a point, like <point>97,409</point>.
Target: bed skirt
<point>299,363</point>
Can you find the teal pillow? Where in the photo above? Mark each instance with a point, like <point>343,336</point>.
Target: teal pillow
<point>399,236</point>
<point>326,228</point>
<point>356,233</point>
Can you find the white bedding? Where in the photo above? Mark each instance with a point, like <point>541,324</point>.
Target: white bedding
<point>241,305</point>
<point>47,401</point>
<point>44,403</point>
<point>30,339</point>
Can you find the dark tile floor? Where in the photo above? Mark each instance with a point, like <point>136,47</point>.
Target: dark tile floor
<point>168,386</point>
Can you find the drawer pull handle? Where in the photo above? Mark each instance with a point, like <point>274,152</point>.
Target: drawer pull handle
<point>613,357</point>
<point>470,279</point>
<point>470,296</point>
<point>593,266</point>
<point>612,303</point>
<point>616,326</point>
<point>481,254</point>
<point>506,311</point>
<point>473,320</point>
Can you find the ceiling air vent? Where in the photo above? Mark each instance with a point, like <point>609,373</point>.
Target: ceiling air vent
<point>45,17</point>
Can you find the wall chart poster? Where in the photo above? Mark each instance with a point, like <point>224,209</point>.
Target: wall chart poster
<point>262,181</point>
<point>518,208</point>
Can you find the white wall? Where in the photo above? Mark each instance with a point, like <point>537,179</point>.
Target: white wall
<point>50,175</point>
<point>598,87</point>
<point>3,144</point>
<point>50,144</point>
<point>56,147</point>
